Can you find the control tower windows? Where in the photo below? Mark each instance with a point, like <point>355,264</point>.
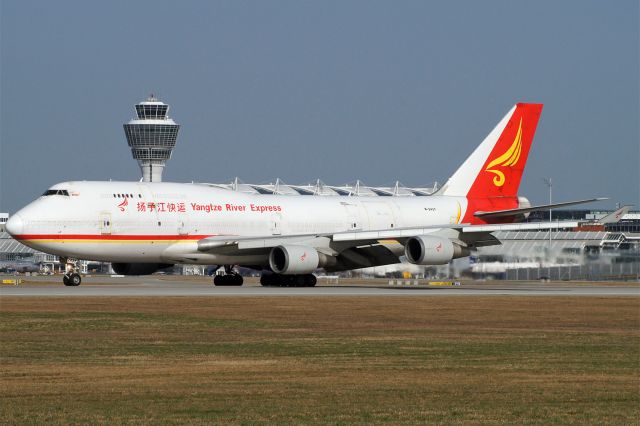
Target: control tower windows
<point>151,135</point>
<point>152,112</point>
<point>151,154</point>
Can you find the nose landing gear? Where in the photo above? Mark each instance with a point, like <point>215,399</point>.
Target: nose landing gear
<point>71,275</point>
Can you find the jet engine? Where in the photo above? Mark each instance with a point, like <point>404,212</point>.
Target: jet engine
<point>431,250</point>
<point>523,203</point>
<point>138,268</point>
<point>294,259</point>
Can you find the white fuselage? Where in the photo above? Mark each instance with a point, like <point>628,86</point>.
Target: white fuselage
<point>162,222</point>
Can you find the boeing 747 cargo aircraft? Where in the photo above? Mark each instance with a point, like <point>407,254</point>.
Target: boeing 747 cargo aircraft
<point>143,227</point>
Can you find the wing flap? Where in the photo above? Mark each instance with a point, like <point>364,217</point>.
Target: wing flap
<point>235,243</point>
<point>364,257</point>
<point>332,244</point>
<point>389,233</point>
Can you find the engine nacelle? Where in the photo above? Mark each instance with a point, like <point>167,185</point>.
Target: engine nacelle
<point>294,259</point>
<point>138,268</point>
<point>431,250</point>
<point>523,203</point>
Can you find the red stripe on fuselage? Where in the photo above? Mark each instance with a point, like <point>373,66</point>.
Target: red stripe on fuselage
<point>108,237</point>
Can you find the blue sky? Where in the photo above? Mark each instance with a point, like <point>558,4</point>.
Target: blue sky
<point>337,90</point>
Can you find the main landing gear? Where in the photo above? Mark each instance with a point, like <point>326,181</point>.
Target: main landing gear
<point>71,275</point>
<point>230,277</point>
<point>279,280</point>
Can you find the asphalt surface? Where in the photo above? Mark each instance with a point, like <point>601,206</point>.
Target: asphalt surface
<point>104,286</point>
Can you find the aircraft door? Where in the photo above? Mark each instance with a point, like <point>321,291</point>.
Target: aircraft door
<point>380,215</point>
<point>104,223</point>
<point>182,229</point>
<point>276,224</point>
<point>353,216</point>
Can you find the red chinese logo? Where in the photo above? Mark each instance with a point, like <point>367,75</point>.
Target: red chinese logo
<point>123,204</point>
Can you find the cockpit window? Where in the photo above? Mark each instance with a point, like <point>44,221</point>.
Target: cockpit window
<point>56,192</point>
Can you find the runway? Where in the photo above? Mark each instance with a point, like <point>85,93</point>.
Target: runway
<point>153,286</point>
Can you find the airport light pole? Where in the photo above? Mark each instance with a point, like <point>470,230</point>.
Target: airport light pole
<point>549,183</point>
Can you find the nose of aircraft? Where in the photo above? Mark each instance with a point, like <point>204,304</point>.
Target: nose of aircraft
<point>14,225</point>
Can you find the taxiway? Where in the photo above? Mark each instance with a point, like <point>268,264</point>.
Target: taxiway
<point>177,286</point>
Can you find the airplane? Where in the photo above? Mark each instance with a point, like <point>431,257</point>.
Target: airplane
<point>18,266</point>
<point>615,216</point>
<point>141,227</point>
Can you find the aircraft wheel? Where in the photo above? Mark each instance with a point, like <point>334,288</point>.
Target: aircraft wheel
<point>237,280</point>
<point>72,280</point>
<point>308,280</point>
<point>312,280</point>
<point>228,280</point>
<point>301,281</point>
<point>277,280</point>
<point>219,280</point>
<point>75,279</point>
<point>265,280</point>
<point>270,280</point>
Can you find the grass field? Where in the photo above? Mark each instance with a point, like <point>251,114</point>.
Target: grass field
<point>342,360</point>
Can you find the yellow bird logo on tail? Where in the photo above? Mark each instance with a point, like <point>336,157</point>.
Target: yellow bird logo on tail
<point>509,158</point>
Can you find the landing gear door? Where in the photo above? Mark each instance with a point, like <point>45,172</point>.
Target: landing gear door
<point>104,223</point>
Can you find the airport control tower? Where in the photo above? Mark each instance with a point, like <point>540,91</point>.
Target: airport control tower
<point>151,136</point>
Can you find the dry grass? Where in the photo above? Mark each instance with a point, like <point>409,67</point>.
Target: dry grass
<point>320,360</point>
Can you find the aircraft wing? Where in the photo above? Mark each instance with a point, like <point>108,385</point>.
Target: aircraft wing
<point>362,249</point>
<point>222,243</point>
<point>323,242</point>
<point>413,232</point>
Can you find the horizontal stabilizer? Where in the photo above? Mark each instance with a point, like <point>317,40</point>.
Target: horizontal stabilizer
<point>529,226</point>
<point>544,207</point>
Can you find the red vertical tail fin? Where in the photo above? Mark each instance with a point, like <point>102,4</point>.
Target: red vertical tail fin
<point>495,168</point>
<point>490,177</point>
